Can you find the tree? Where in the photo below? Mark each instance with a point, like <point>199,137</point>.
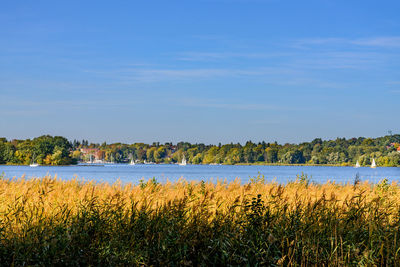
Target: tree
<point>159,154</point>
<point>293,157</point>
<point>209,156</point>
<point>271,155</point>
<point>150,154</point>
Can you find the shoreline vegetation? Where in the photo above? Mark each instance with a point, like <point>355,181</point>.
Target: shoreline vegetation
<point>345,164</point>
<point>237,164</point>
<point>47,221</point>
<point>49,150</point>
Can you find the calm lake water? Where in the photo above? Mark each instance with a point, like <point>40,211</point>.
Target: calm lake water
<point>163,172</point>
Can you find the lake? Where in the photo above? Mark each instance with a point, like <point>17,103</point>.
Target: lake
<point>163,172</point>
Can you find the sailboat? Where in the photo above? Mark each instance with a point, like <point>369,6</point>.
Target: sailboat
<point>90,159</point>
<point>183,163</point>
<point>357,165</point>
<point>33,163</point>
<point>373,164</point>
<point>132,162</point>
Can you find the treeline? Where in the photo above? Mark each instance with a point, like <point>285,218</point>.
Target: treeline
<point>57,150</point>
<point>45,150</point>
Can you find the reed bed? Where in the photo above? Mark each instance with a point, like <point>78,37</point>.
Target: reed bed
<point>47,221</point>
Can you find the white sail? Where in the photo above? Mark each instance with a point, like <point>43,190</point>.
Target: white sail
<point>183,163</point>
<point>373,164</point>
<point>357,165</point>
<point>132,162</point>
<point>33,163</point>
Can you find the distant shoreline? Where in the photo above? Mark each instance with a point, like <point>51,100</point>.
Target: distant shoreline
<point>238,164</point>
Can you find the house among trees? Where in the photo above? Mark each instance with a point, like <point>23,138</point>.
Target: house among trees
<point>97,154</point>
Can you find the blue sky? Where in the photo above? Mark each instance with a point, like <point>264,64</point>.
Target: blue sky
<point>199,71</point>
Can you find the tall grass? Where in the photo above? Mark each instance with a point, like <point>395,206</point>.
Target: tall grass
<point>52,222</point>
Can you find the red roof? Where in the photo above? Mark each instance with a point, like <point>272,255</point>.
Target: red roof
<point>89,150</point>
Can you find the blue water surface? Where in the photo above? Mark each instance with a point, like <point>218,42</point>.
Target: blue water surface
<point>172,172</point>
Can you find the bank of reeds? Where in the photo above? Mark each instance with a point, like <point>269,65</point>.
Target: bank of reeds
<point>52,222</point>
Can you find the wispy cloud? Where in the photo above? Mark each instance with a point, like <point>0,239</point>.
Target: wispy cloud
<point>215,56</point>
<point>393,83</point>
<point>310,82</point>
<point>318,41</point>
<point>293,73</point>
<point>379,41</point>
<point>25,105</point>
<point>155,75</point>
<point>265,122</point>
<point>220,104</point>
<point>24,113</point>
<point>338,60</point>
<point>383,42</point>
<point>212,37</point>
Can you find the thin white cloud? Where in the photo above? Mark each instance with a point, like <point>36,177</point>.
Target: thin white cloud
<point>383,42</point>
<point>339,60</point>
<point>156,75</point>
<point>393,83</point>
<point>220,104</point>
<point>215,56</point>
<point>265,122</point>
<point>393,41</point>
<point>318,41</point>
<point>52,104</point>
<point>314,83</point>
<point>294,73</point>
<point>210,37</point>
